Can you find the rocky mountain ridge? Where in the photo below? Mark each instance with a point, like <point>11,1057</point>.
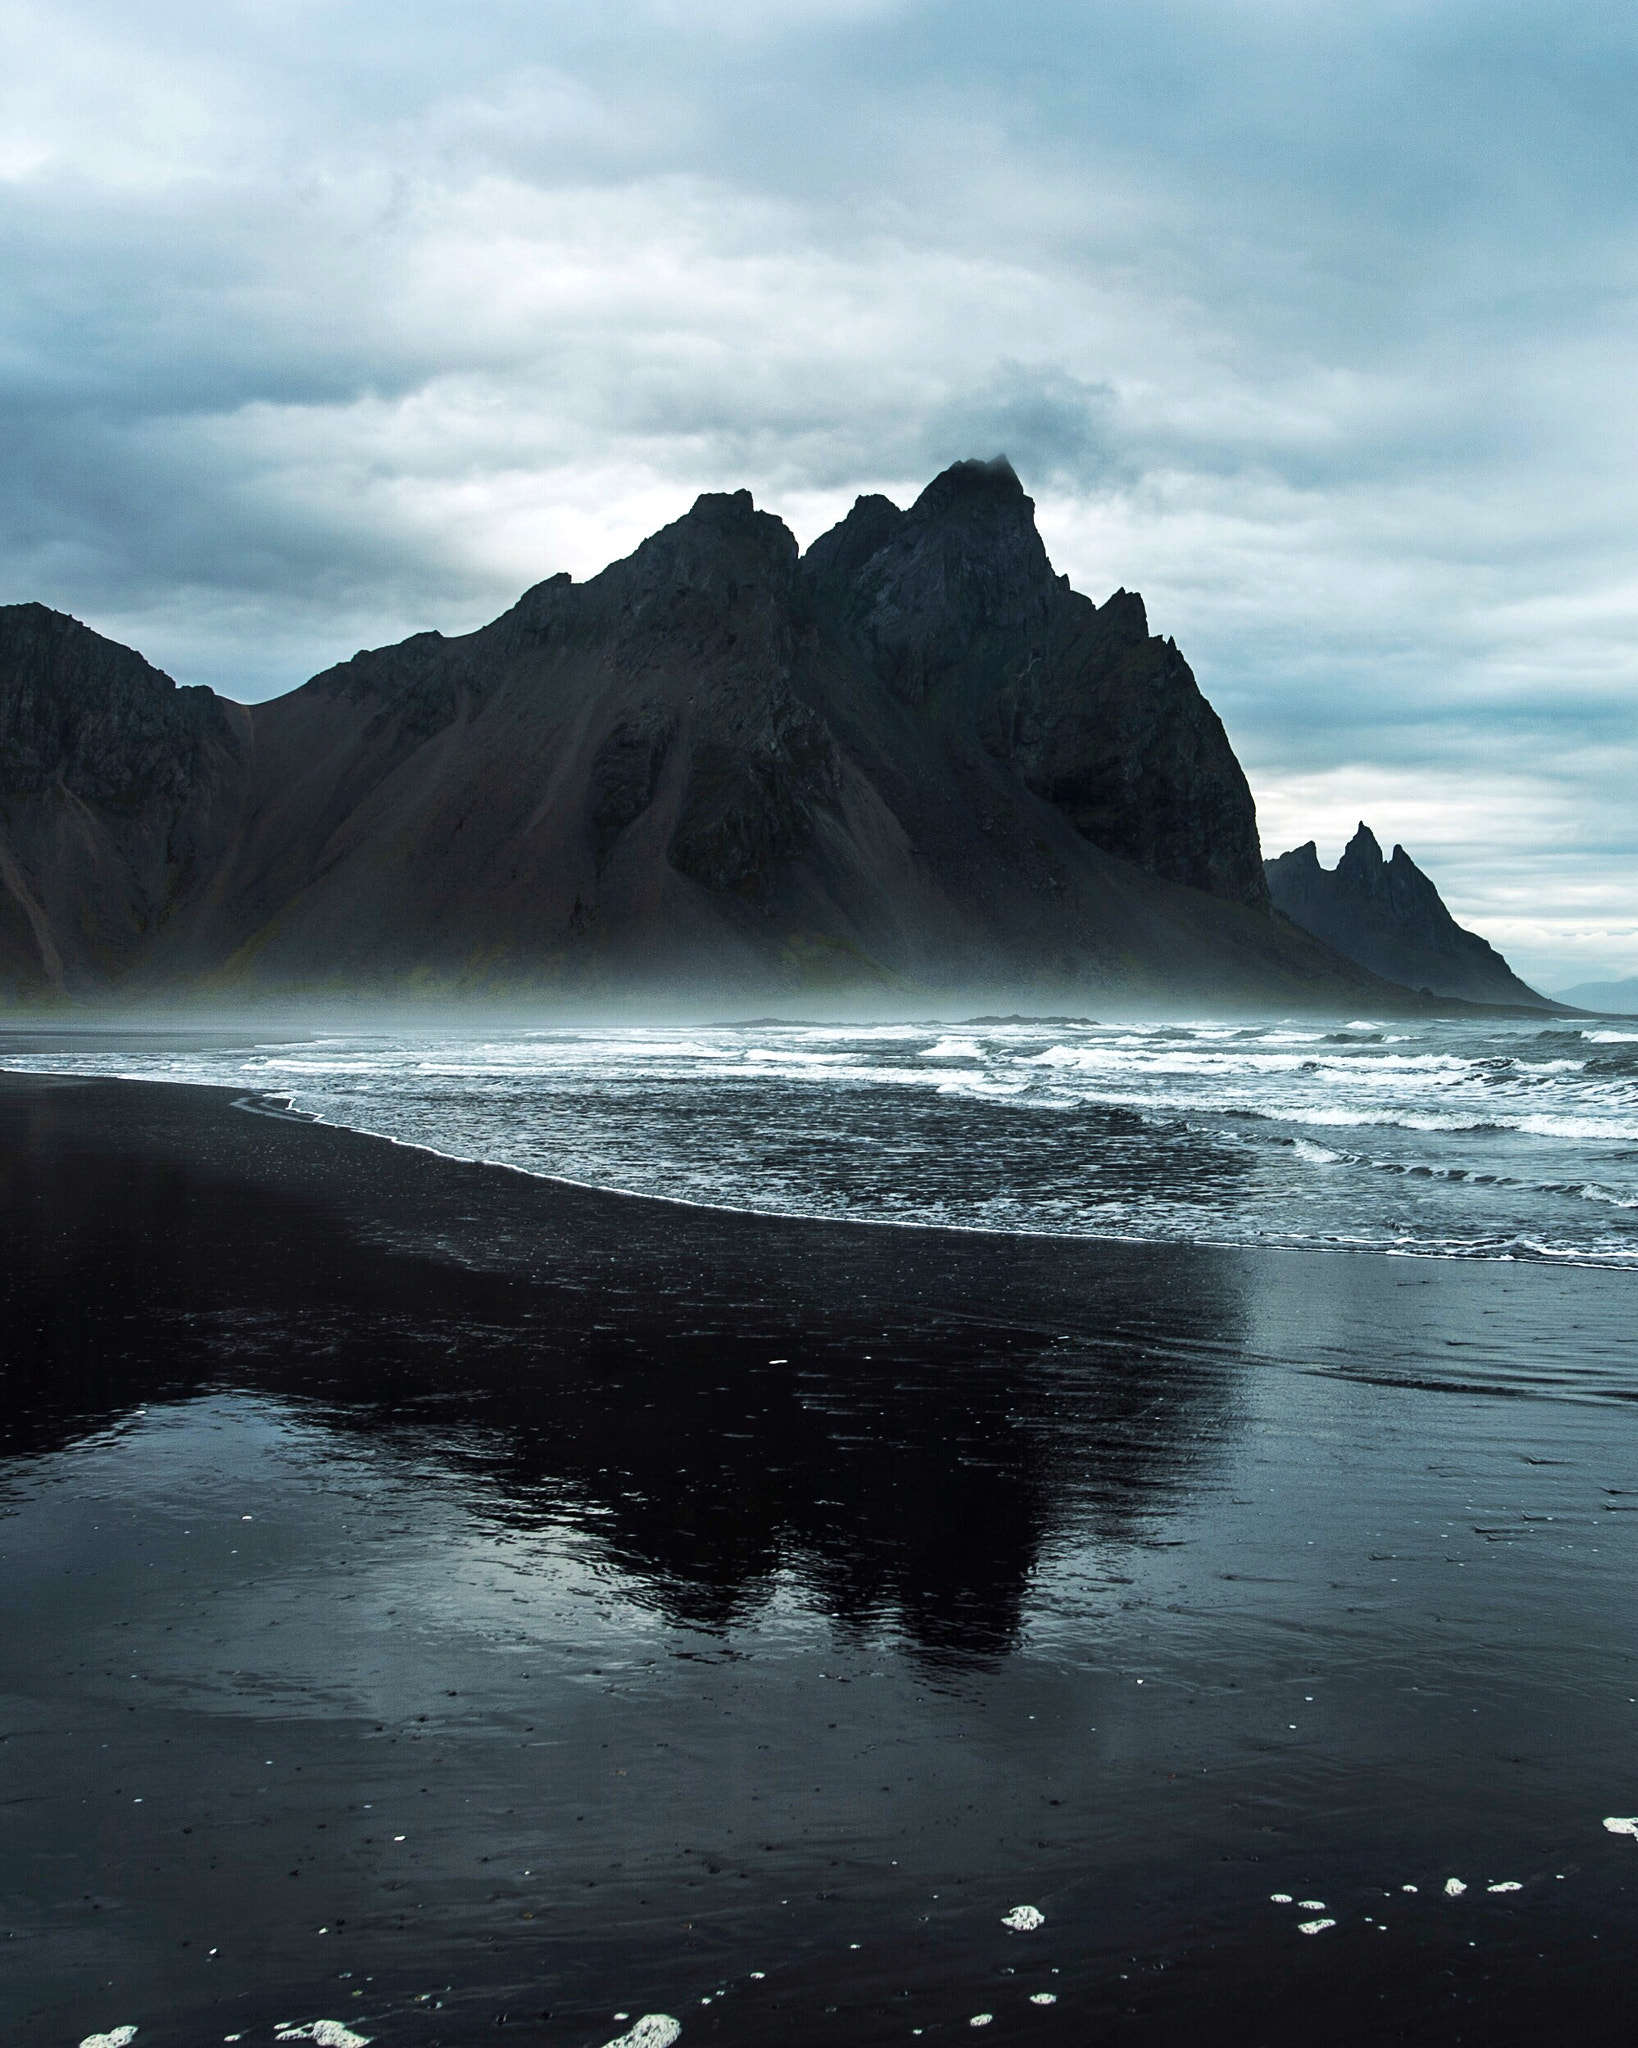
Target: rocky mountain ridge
<point>1388,917</point>
<point>912,759</point>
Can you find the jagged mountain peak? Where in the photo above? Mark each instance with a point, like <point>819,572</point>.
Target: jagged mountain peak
<point>923,590</point>
<point>721,518</point>
<point>974,488</point>
<point>977,514</point>
<point>1365,849</point>
<point>1389,917</point>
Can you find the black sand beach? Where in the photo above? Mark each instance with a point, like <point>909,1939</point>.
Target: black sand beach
<point>436,1600</point>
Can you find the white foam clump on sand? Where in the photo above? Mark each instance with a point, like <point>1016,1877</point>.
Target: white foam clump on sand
<point>981,2019</point>
<point>326,2033</point>
<point>653,2030</point>
<point>1454,1887</point>
<point>1280,1898</point>
<point>1024,1919</point>
<point>1508,1885</point>
<point>1618,1826</point>
<point>118,2037</point>
<point>1314,1926</point>
<point>1312,1905</point>
<point>1043,1998</point>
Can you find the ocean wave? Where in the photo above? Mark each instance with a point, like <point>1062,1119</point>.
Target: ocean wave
<point>1443,1140</point>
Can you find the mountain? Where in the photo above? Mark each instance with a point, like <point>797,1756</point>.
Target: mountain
<point>1387,916</point>
<point>1619,997</point>
<point>911,760</point>
<point>119,795</point>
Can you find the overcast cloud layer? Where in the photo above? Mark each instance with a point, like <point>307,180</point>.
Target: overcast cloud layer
<point>324,323</point>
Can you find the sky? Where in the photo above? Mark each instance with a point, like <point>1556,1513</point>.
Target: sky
<point>322,324</point>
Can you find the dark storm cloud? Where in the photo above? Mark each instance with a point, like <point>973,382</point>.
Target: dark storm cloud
<point>324,323</point>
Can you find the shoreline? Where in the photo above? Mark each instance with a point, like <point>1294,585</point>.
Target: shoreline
<point>261,1102</point>
<point>638,1261</point>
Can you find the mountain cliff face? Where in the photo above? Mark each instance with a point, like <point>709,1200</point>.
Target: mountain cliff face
<point>912,759</point>
<point>1387,916</point>
<point>118,792</point>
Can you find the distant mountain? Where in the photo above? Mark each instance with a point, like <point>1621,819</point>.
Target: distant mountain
<point>1621,997</point>
<point>1387,916</point>
<point>912,759</point>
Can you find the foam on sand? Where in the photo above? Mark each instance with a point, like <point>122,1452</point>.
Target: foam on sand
<point>653,2030</point>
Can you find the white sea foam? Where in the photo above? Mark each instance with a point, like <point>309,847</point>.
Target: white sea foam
<point>653,2030</point>
<point>1024,1919</point>
<point>116,2037</point>
<point>1504,1140</point>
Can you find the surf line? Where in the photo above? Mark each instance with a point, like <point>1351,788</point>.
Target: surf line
<point>268,1105</point>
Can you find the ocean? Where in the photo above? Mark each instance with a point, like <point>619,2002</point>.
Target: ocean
<point>1497,1139</point>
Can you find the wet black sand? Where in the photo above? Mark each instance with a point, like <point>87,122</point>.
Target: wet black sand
<point>633,1599</point>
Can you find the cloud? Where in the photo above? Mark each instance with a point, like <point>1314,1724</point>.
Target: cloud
<point>325,323</point>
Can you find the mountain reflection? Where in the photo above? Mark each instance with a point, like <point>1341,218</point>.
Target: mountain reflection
<point>901,1422</point>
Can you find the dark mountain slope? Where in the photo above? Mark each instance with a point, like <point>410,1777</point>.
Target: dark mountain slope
<point>119,794</point>
<point>912,760</point>
<point>1390,918</point>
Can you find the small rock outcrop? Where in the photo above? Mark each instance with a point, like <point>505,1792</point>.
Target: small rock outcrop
<point>1387,916</point>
